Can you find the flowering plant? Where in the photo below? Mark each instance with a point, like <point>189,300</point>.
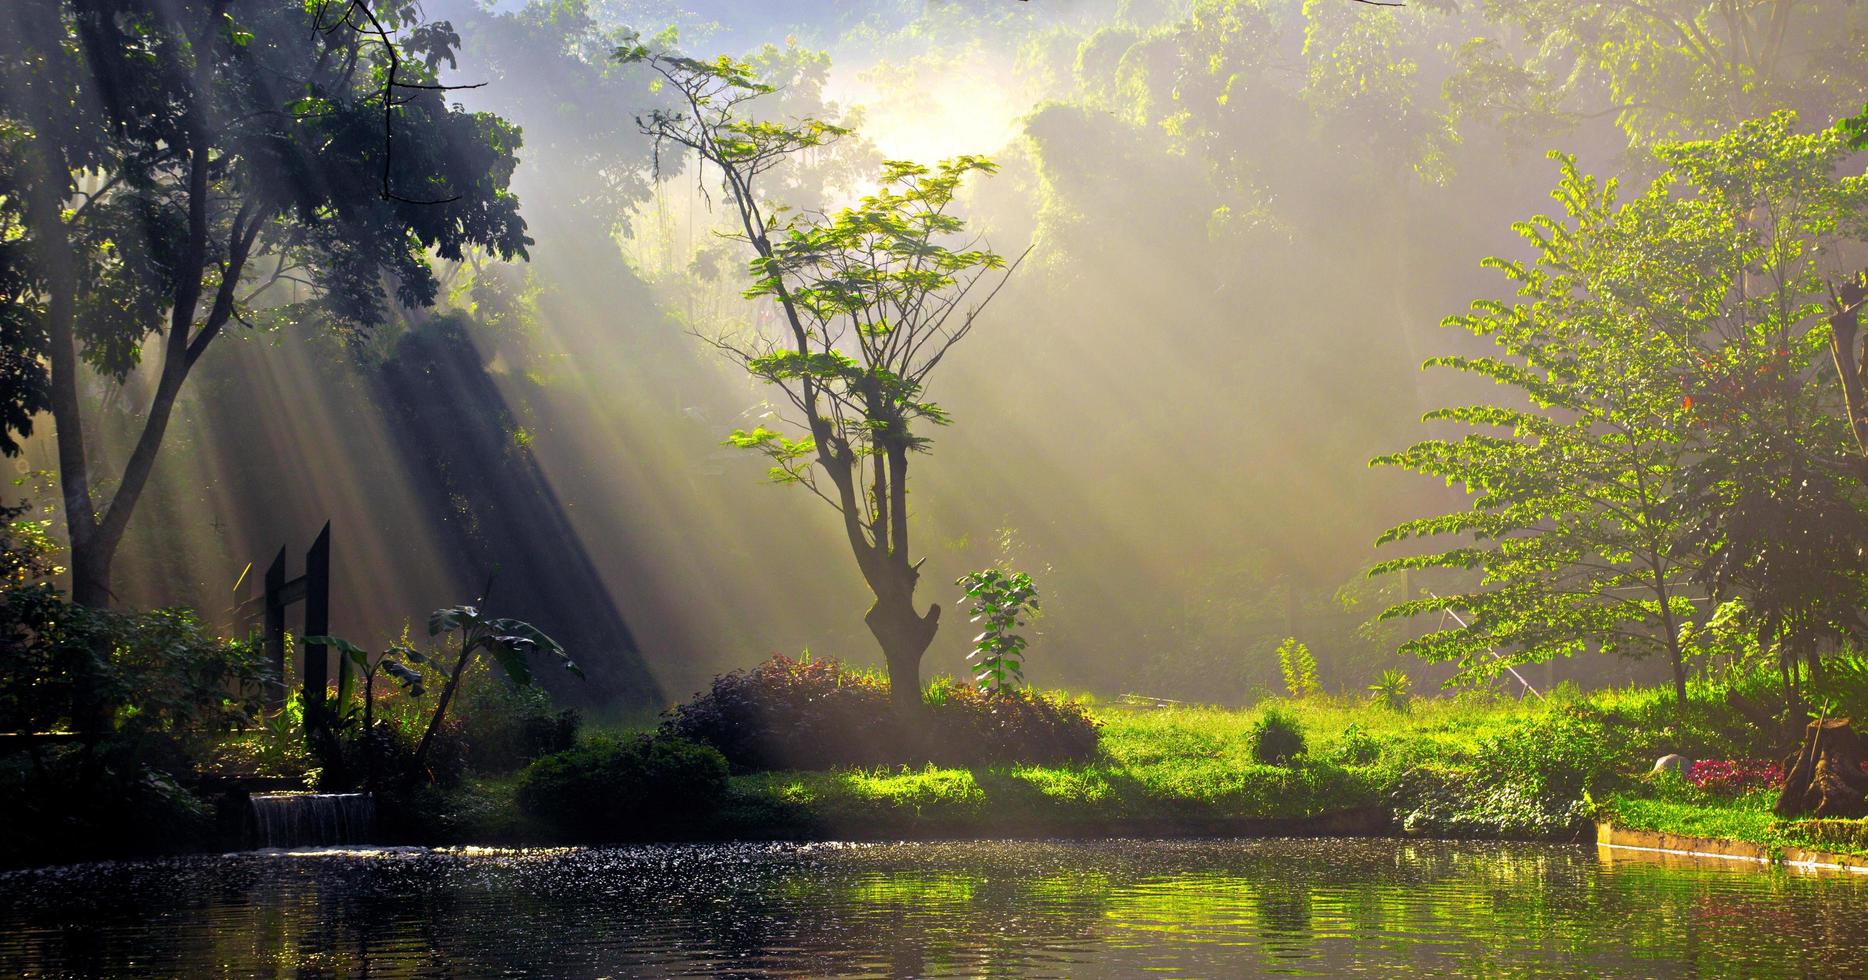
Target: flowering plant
<point>1733,777</point>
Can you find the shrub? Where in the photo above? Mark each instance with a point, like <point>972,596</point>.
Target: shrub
<point>804,714</point>
<point>621,789</point>
<point>1435,801</point>
<point>1565,754</point>
<point>975,727</point>
<point>1729,777</point>
<point>1356,747</point>
<point>1391,690</point>
<point>1298,667</point>
<point>789,714</point>
<point>1276,738</point>
<point>507,725</point>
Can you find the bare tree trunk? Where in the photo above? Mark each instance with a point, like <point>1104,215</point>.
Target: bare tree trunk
<point>904,635</point>
<point>1676,655</point>
<point>1851,365</point>
<point>44,214</point>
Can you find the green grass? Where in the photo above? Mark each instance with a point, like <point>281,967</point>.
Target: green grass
<point>1748,818</point>
<point>1161,768</point>
<point>1469,767</point>
<point>1473,766</point>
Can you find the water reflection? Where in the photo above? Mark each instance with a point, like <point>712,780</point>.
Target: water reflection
<point>1196,908</point>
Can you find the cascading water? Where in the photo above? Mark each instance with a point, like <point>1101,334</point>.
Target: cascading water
<point>312,819</point>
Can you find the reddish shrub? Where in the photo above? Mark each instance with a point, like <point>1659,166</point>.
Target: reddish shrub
<point>1733,777</point>
<point>791,714</point>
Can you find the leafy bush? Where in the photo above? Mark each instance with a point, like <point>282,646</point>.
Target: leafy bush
<point>621,789</point>
<point>976,727</point>
<point>805,714</point>
<point>1391,690</point>
<point>507,725</point>
<point>1298,667</point>
<point>1356,747</point>
<point>1452,803</point>
<point>1570,752</point>
<point>1276,738</point>
<point>1534,780</point>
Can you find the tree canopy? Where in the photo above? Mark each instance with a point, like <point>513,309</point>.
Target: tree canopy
<point>165,167</point>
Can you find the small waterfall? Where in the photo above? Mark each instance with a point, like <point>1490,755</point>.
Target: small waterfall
<point>312,819</point>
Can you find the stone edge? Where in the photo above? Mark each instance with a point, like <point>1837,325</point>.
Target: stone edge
<point>1612,838</point>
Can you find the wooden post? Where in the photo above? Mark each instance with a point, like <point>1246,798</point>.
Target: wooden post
<point>275,630</point>
<point>317,623</point>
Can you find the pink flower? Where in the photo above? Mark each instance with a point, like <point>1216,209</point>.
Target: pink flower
<point>1732,777</point>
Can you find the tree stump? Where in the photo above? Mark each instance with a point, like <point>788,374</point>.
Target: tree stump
<point>1825,778</point>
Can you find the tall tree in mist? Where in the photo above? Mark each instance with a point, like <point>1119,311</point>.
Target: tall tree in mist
<point>163,165</point>
<point>1572,528</point>
<point>1674,352</point>
<point>870,298</point>
<point>1780,499</point>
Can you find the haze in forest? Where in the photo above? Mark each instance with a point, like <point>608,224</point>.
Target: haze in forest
<point>1247,221</point>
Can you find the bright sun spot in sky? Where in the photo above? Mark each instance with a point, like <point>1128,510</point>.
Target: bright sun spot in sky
<point>962,114</point>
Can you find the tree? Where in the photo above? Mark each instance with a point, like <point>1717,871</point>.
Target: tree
<point>870,299</point>
<point>1683,340</point>
<point>1573,527</point>
<point>1779,502</point>
<point>164,166</point>
<point>1848,348</point>
<point>1663,69</point>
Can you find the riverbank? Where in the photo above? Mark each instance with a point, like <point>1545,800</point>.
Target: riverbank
<point>1472,768</point>
<point>1453,768</point>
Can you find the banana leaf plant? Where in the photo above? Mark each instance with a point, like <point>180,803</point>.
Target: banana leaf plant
<point>353,659</point>
<point>509,642</point>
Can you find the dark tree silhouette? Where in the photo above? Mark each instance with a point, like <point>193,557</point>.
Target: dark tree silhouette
<point>165,166</point>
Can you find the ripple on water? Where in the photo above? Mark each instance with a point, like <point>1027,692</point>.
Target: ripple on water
<point>1109,908</point>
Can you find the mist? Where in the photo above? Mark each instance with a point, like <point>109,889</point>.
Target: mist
<point>1241,249</point>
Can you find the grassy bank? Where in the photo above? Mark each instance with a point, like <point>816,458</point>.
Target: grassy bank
<point>1748,818</point>
<point>1469,767</point>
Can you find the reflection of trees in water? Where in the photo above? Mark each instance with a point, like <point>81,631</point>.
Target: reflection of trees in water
<point>1209,908</point>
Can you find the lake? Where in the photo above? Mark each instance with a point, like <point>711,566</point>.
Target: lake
<point>1212,908</point>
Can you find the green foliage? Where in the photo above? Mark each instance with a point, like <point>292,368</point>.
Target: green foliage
<point>1572,527</point>
<point>999,602</point>
<point>797,714</point>
<point>506,643</point>
<point>1298,668</point>
<point>140,677</point>
<point>1667,348</point>
<point>506,725</point>
<point>135,701</point>
<point>1680,67</point>
<point>509,642</point>
<point>1392,690</point>
<point>1277,738</point>
<point>867,300</point>
<point>608,789</point>
<point>1356,747</point>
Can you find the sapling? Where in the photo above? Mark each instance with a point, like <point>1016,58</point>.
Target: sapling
<point>999,600</point>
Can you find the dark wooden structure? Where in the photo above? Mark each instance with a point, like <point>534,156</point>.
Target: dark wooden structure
<point>314,588</point>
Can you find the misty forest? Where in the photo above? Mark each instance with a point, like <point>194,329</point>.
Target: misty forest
<point>933,487</point>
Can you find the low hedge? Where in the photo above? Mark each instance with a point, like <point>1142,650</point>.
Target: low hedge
<point>609,789</point>
<point>814,714</point>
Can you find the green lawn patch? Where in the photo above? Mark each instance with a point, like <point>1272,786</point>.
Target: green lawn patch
<point>1748,818</point>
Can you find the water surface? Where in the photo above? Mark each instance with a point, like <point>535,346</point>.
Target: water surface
<point>1061,909</point>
